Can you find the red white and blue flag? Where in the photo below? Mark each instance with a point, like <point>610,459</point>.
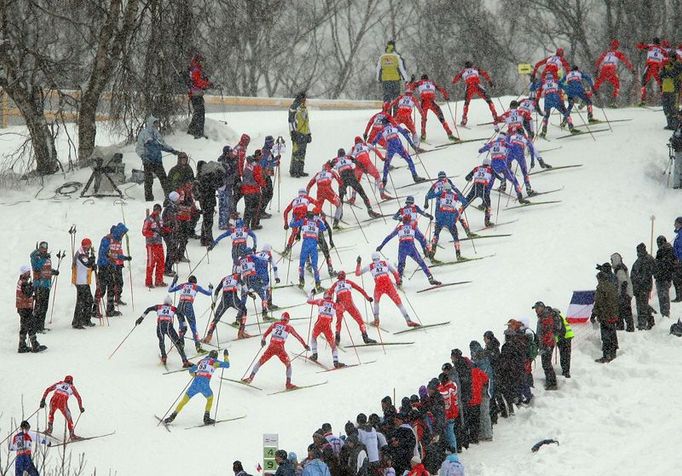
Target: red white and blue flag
<point>580,308</point>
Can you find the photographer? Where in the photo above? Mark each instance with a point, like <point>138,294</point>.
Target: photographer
<point>210,177</point>
<point>675,145</point>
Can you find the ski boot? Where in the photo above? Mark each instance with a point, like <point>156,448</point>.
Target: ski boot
<point>287,250</point>
<point>422,138</point>
<point>543,164</point>
<point>313,357</point>
<point>417,179</point>
<point>453,138</point>
<point>434,282</point>
<point>301,283</point>
<point>242,334</point>
<point>208,420</point>
<point>48,431</point>
<point>376,322</point>
<point>470,233</point>
<point>209,336</point>
<point>563,123</point>
<point>290,386</point>
<point>170,418</point>
<point>186,364</point>
<point>339,365</point>
<point>199,349</point>
<point>319,288</point>
<point>503,187</point>
<point>530,191</point>
<point>264,314</point>
<point>543,132</point>
<point>413,324</point>
<point>367,340</point>
<point>331,272</point>
<point>335,224</point>
<point>337,338</point>
<point>464,122</point>
<point>74,437</point>
<point>248,379</point>
<point>351,201</point>
<point>458,255</point>
<point>384,196</point>
<point>170,274</point>
<point>164,359</point>
<point>373,214</point>
<point>488,224</point>
<point>521,200</point>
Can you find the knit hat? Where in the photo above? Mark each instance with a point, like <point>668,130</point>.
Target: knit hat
<point>173,196</point>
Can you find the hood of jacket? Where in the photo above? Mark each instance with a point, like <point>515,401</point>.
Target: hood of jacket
<point>616,259</point>
<point>149,123</point>
<point>118,231</point>
<point>244,140</point>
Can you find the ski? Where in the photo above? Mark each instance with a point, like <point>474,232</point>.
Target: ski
<point>236,339</point>
<point>442,286</point>
<point>216,422</point>
<point>425,326</point>
<point>165,425</point>
<point>440,146</point>
<point>437,263</point>
<point>302,289</point>
<point>298,387</point>
<point>545,193</point>
<point>348,366</point>
<point>282,286</point>
<point>344,229</point>
<point>559,167</point>
<point>546,202</point>
<point>424,181</point>
<point>542,151</point>
<point>581,133</point>
<point>240,382</point>
<point>599,121</point>
<point>83,438</point>
<point>175,371</point>
<point>308,359</point>
<point>479,237</point>
<point>495,225</point>
<point>377,344</point>
<point>376,218</point>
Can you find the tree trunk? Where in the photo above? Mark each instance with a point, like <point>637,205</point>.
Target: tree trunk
<point>42,142</point>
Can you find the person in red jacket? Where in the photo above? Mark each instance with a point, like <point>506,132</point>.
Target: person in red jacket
<point>298,208</point>
<point>152,232</point>
<point>376,123</point>
<point>473,410</point>
<point>327,308</point>
<point>471,75</point>
<point>406,104</point>
<point>607,68</point>
<point>198,83</point>
<point>344,298</point>
<point>546,334</point>
<point>656,55</point>
<point>448,390</point>
<point>324,179</point>
<point>427,96</point>
<point>60,401</point>
<point>552,64</point>
<point>252,184</point>
<point>239,153</point>
<point>418,468</point>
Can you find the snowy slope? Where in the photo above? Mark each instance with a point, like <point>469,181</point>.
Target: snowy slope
<point>610,420</point>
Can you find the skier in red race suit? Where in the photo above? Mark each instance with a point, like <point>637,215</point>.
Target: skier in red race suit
<point>381,271</point>
<point>344,298</point>
<point>551,65</point>
<point>655,57</point>
<point>406,104</point>
<point>299,207</point>
<point>471,75</point>
<point>324,180</point>
<point>427,95</point>
<point>360,152</point>
<point>280,330</point>
<point>607,68</point>
<point>376,123</point>
<point>327,308</point>
<point>152,232</point>
<point>59,401</point>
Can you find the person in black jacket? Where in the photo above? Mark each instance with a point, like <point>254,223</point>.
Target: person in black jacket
<point>642,283</point>
<point>665,267</point>
<point>180,173</point>
<point>492,351</point>
<point>402,444</point>
<point>210,177</point>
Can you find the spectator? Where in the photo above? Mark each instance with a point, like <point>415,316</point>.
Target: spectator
<point>357,463</point>
<point>670,73</point>
<point>390,72</point>
<point>675,142</point>
<point>375,421</point>
<point>251,186</point>
<point>625,294</point>
<point>198,83</point>
<point>238,469</point>
<point>335,442</point>
<point>210,178</point>
<point>604,311</point>
<point>41,263</point>
<point>525,343</point>
<point>511,368</point>
<point>27,320</point>
<point>563,342</point>
<point>642,283</point>
<point>299,129</point>
<point>663,274</point>
<point>388,410</point>
<point>546,333</point>
<point>481,361</point>
<point>149,146</point>
<point>386,467</point>
<point>402,444</point>
<point>269,161</point>
<point>448,391</point>
<point>293,459</point>
<point>170,231</point>
<point>368,437</point>
<point>81,276</point>
<point>314,466</point>
<point>492,351</point>
<point>152,230</point>
<point>677,248</point>
<point>226,203</point>
<point>181,173</point>
<point>473,413</point>
<point>417,468</point>
<point>451,467</point>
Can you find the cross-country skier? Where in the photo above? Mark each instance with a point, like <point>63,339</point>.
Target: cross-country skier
<point>529,105</point>
<point>574,85</point>
<point>406,105</point>
<point>298,208</point>
<point>499,148</point>
<point>376,123</point>
<point>427,95</point>
<point>411,210</point>
<point>322,243</point>
<point>310,229</point>
<point>345,166</point>
<point>343,288</point>
<point>437,187</point>
<point>655,56</point>
<point>325,193</point>
<point>552,64</point>
<point>202,372</point>
<point>239,234</point>
<point>516,117</point>
<point>264,264</point>
<point>188,292</point>
<point>254,283</point>
<point>550,89</point>
<point>109,278</point>
<point>471,75</point>
<point>22,443</point>
<point>164,327</point>
<point>233,290</point>
<point>392,135</point>
<point>484,178</point>
<point>607,68</point>
<point>41,264</point>
<point>327,308</point>
<point>360,152</point>
<point>449,207</point>
<point>381,272</point>
<point>518,142</point>
<point>407,232</point>
<point>60,401</point>
<point>27,319</point>
<point>280,330</point>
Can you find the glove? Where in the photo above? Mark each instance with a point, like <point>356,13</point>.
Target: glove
<point>262,343</point>
<point>429,216</point>
<point>286,226</point>
<point>399,282</point>
<point>82,410</point>
<point>426,204</point>
<point>307,347</point>
<point>42,403</point>
<point>175,281</point>
<point>212,306</point>
<point>55,272</point>
<point>358,260</point>
<point>309,138</point>
<point>331,244</point>
<point>277,280</point>
<point>127,258</point>
<point>364,136</point>
<point>210,286</point>
<point>210,246</point>
<point>139,320</point>
<point>379,249</point>
<point>226,354</point>
<point>175,152</point>
<point>370,299</point>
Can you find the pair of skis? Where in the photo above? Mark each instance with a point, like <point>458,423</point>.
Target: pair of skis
<point>167,425</point>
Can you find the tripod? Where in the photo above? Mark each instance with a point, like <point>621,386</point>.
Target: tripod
<point>98,172</point>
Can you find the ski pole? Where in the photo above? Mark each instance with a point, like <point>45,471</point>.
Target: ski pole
<point>585,123</point>
<point>17,427</point>
<point>343,318</point>
<point>358,222</point>
<point>60,255</point>
<point>454,120</point>
<point>226,356</point>
<point>472,238</point>
<point>422,164</point>
<point>411,307</point>
<point>254,359</point>
<point>603,111</point>
<point>124,339</point>
<point>651,243</point>
<point>497,213</point>
<point>310,321</point>
<point>175,401</point>
<point>378,202</point>
<point>191,271</point>
<point>255,310</point>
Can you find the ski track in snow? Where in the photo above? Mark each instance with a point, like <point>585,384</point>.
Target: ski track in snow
<point>609,419</point>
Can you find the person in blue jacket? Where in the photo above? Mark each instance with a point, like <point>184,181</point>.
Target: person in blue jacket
<point>574,85</point>
<point>248,267</point>
<point>110,260</point>
<point>411,210</point>
<point>483,177</point>
<point>41,264</point>
<point>264,263</point>
<point>310,230</point>
<point>407,232</point>
<point>202,372</point>
<point>239,234</point>
<point>499,151</point>
<point>677,249</point>
<point>391,134</point>
<point>518,142</point>
<point>188,292</point>
<point>449,206</point>
<point>551,89</point>
<point>149,146</point>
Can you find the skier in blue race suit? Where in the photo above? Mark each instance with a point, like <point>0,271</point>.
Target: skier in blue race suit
<point>311,227</point>
<point>391,134</point>
<point>499,149</point>
<point>449,206</point>
<point>188,292</point>
<point>239,235</point>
